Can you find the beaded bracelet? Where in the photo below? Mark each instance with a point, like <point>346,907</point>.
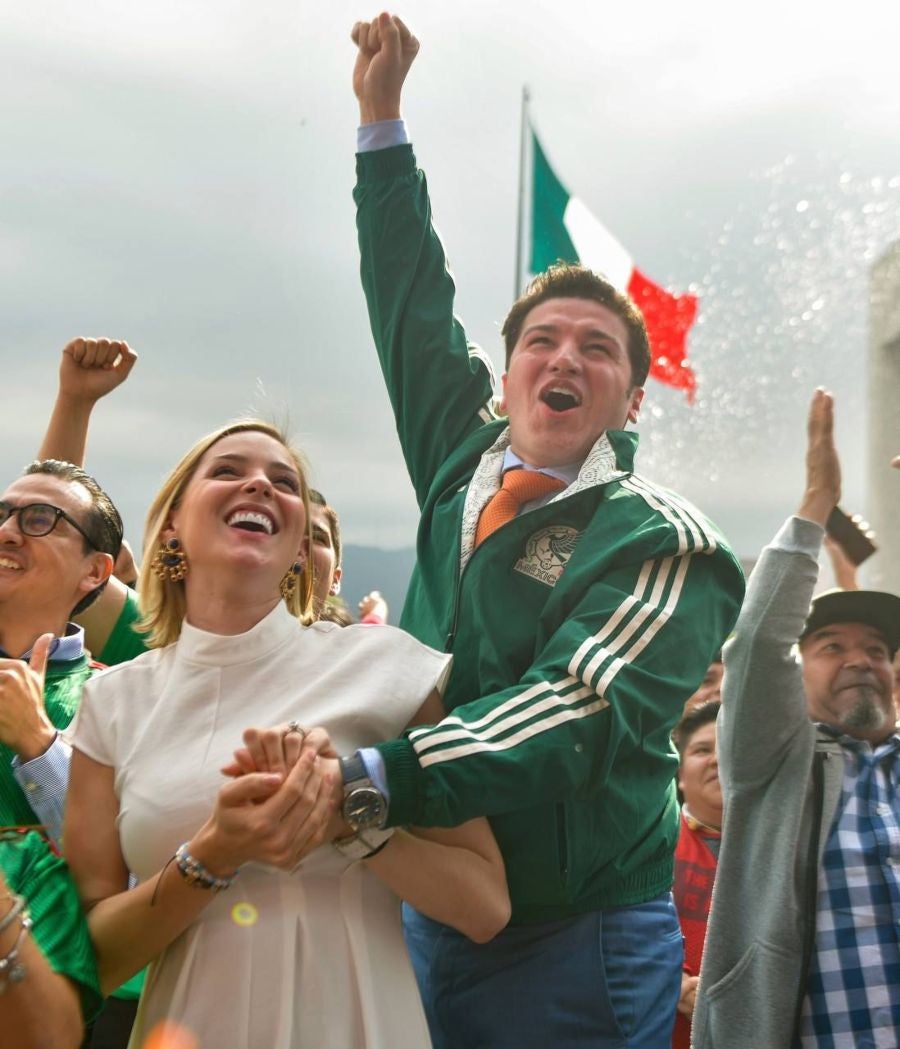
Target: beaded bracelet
<point>12,970</point>
<point>18,905</point>
<point>196,875</point>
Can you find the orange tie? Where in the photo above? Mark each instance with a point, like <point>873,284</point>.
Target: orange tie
<point>518,487</point>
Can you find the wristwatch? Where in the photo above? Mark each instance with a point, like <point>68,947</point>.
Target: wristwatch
<point>364,806</point>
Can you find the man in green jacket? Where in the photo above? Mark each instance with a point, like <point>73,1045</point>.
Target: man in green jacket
<point>580,621</point>
<point>59,536</point>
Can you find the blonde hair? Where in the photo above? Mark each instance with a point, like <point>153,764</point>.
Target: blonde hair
<point>162,601</point>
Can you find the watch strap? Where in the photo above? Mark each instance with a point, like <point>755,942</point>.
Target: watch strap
<point>353,770</point>
<point>363,844</point>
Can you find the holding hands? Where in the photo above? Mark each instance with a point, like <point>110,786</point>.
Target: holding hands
<point>267,817</point>
<point>281,804</point>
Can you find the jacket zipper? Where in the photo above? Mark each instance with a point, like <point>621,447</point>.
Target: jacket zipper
<point>562,842</point>
<point>455,620</point>
<point>451,636</point>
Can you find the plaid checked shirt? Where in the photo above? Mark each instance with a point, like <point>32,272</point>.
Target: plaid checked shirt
<point>853,997</point>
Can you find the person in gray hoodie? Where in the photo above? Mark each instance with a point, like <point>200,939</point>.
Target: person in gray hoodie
<point>802,946</point>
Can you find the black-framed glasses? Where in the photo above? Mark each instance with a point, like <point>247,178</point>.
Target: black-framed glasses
<point>38,519</point>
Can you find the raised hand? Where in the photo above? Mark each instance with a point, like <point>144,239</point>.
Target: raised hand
<point>386,51</point>
<point>374,604</point>
<point>823,467</point>
<point>92,368</point>
<point>24,725</point>
<point>89,370</point>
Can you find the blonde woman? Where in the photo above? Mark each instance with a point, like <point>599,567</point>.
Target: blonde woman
<point>247,948</point>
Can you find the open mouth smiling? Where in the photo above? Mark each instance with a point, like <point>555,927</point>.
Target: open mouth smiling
<point>560,399</point>
<point>251,521</point>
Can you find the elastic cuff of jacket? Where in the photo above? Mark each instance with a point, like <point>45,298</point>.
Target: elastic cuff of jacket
<point>403,772</point>
<point>798,535</point>
<point>380,164</point>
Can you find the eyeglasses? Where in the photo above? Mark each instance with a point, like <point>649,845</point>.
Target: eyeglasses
<point>37,519</point>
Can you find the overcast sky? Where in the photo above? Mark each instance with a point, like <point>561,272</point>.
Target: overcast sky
<point>179,175</point>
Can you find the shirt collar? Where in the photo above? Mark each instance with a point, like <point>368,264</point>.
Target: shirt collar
<point>891,745</point>
<point>696,824</point>
<point>63,649</point>
<point>568,473</point>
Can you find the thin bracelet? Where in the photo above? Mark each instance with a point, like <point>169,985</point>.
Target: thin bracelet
<point>11,970</point>
<point>18,905</point>
<point>196,875</point>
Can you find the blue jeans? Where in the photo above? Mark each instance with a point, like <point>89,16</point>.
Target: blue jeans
<point>606,980</point>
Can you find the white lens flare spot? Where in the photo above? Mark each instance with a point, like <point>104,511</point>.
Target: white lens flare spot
<point>244,914</point>
<point>169,1035</point>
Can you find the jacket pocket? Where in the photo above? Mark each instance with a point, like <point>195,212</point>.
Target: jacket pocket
<point>753,1004</point>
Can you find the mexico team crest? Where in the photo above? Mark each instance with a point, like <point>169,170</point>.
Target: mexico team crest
<point>547,552</point>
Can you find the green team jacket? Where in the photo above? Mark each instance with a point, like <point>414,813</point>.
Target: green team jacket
<point>578,629</point>
<point>62,694</point>
<point>60,929</point>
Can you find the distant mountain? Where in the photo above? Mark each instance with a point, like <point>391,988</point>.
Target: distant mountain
<point>370,568</point>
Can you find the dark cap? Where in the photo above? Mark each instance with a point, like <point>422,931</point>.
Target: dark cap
<point>872,607</point>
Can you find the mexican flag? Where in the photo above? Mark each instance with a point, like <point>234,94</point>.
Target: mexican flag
<point>563,228</point>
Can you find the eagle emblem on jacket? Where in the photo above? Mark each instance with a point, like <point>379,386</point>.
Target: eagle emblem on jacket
<point>547,552</point>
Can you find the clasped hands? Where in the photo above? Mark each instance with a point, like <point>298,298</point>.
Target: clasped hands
<point>280,804</point>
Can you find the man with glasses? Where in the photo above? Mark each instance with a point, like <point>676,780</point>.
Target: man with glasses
<point>59,536</point>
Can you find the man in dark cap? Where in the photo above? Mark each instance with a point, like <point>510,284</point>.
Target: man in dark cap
<point>803,946</point>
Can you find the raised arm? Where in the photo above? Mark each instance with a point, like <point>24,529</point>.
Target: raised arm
<point>823,467</point>
<point>386,52</point>
<point>764,711</point>
<point>441,388</point>
<point>90,369</point>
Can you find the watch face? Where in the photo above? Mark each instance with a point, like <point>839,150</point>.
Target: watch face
<point>364,807</point>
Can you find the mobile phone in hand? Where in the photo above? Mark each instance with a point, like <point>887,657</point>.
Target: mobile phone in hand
<point>852,534</point>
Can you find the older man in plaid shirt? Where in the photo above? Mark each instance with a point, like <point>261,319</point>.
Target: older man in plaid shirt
<point>803,947</point>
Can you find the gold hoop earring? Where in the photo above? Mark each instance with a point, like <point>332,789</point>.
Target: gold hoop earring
<point>170,561</point>
<point>289,580</point>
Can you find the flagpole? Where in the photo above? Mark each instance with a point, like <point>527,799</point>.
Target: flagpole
<point>523,131</point>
